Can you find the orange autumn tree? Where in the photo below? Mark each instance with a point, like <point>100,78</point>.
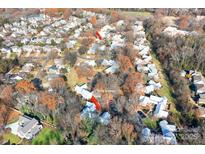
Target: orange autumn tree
<point>131,52</point>
<point>67,13</point>
<point>115,16</point>
<point>3,114</point>
<point>93,20</point>
<point>51,11</point>
<point>105,94</point>
<point>125,63</point>
<point>84,70</point>
<point>184,22</point>
<point>57,83</point>
<point>89,33</point>
<point>128,132</point>
<point>6,94</point>
<point>25,87</point>
<point>48,100</point>
<point>131,82</point>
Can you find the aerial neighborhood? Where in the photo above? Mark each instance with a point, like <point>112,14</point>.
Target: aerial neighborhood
<point>102,76</point>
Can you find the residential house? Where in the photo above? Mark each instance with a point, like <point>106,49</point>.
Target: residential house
<point>71,44</point>
<point>112,69</point>
<point>155,84</point>
<point>149,89</point>
<point>28,67</point>
<point>140,34</point>
<point>201,98</point>
<point>160,110</point>
<point>53,70</point>
<point>16,78</point>
<point>89,111</point>
<point>139,43</point>
<point>199,88</point>
<point>59,63</point>
<point>139,46</point>
<point>152,86</point>
<point>93,48</point>
<point>5,50</point>
<point>144,51</point>
<point>183,73</point>
<point>106,62</point>
<point>198,79</point>
<point>153,73</point>
<point>120,24</point>
<point>26,127</point>
<point>117,41</point>
<point>156,99</point>
<point>173,31</point>
<point>144,100</point>
<point>138,61</point>
<point>87,96</point>
<point>143,69</point>
<point>105,118</point>
<point>83,91</point>
<point>145,135</point>
<point>90,63</point>
<point>147,59</point>
<point>168,132</point>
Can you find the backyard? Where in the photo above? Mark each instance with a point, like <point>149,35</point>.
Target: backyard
<point>48,136</point>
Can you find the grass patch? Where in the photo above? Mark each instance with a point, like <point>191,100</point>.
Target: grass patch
<point>137,13</point>
<point>165,90</point>
<point>48,137</point>
<point>150,123</point>
<point>73,79</point>
<point>12,138</point>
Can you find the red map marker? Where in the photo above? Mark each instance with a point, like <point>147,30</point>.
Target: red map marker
<point>97,104</point>
<point>98,35</point>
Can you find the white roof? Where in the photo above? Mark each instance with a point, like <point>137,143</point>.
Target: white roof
<point>137,28</point>
<point>146,132</point>
<point>148,59</point>
<point>91,62</point>
<point>112,69</point>
<point>156,85</point>
<point>161,114</point>
<point>105,118</point>
<point>93,48</point>
<point>106,62</point>
<point>172,31</point>
<point>139,47</point>
<point>138,61</point>
<point>91,106</point>
<point>149,89</point>
<point>144,100</point>
<point>85,93</point>
<point>140,33</point>
<point>160,110</point>
<point>155,99</point>
<point>102,48</point>
<point>166,127</point>
<point>17,78</point>
<point>120,23</point>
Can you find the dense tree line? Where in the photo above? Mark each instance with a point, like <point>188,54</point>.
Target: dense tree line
<point>178,53</point>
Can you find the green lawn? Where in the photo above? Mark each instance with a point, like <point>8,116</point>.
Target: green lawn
<point>48,137</point>
<point>137,14</point>
<point>150,123</point>
<point>12,138</point>
<point>165,90</point>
